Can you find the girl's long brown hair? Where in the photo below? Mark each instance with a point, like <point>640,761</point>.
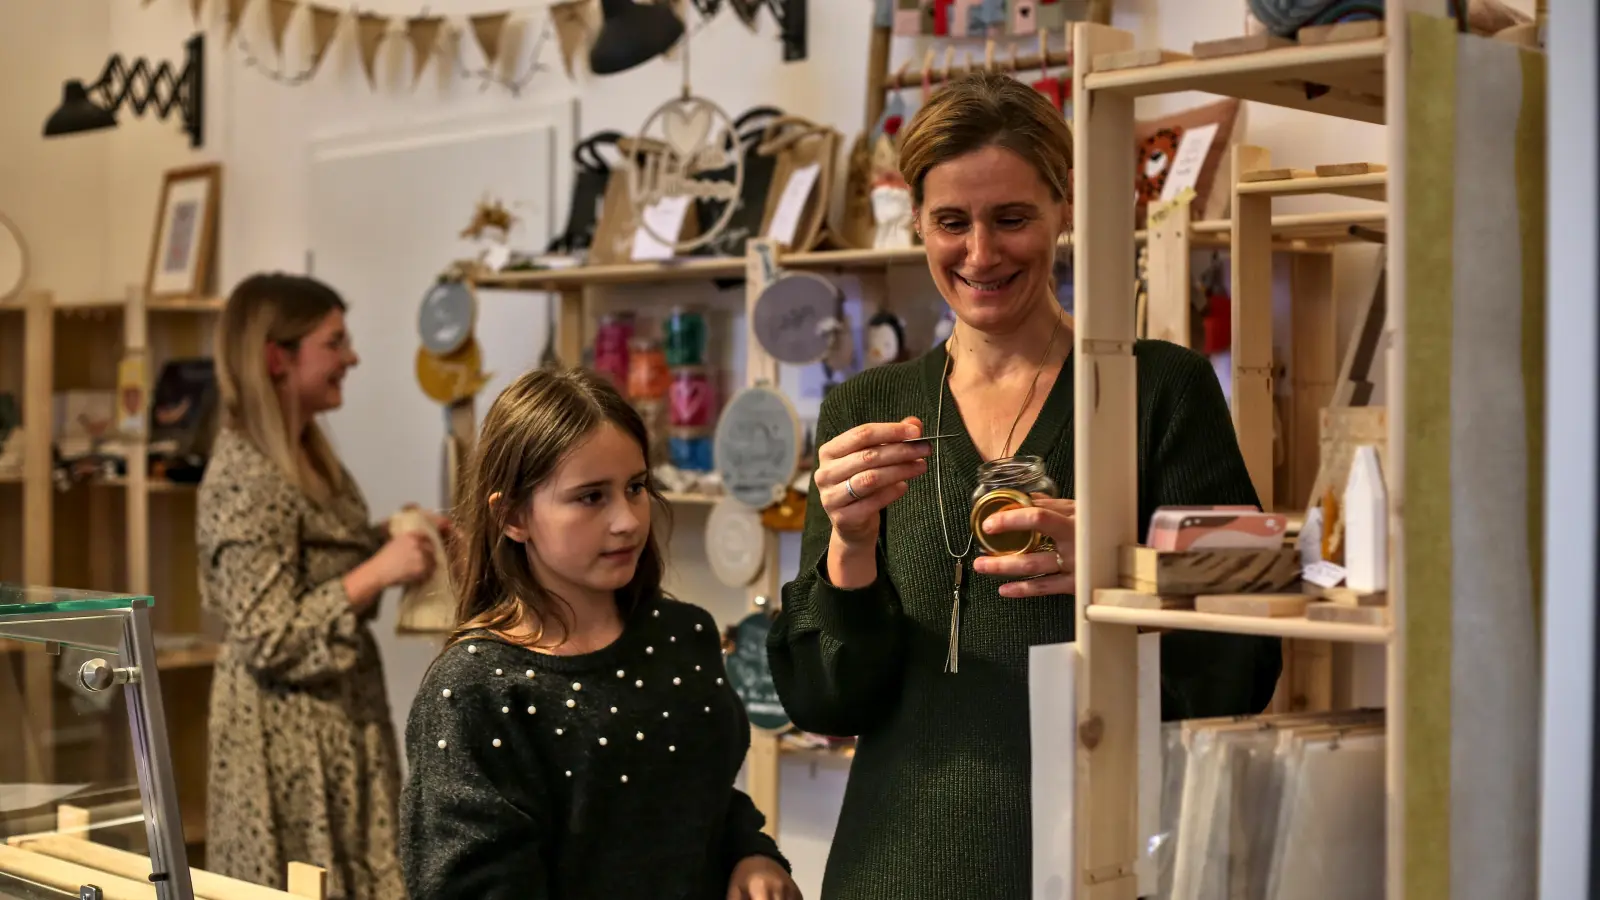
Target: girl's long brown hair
<point>532,426</point>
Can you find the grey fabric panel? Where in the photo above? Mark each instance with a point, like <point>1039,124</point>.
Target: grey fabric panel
<point>1495,669</point>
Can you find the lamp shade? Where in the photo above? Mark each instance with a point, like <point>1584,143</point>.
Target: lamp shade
<point>632,33</point>
<point>77,113</point>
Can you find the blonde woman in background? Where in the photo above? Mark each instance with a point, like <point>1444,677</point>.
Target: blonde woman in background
<point>303,762</point>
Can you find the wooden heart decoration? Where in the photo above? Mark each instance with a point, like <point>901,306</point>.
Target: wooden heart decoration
<point>686,127</point>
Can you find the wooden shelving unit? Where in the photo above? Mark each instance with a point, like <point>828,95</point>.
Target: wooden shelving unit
<point>1367,80</point>
<point>130,534</point>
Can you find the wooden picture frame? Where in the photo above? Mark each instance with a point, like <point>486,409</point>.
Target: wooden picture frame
<point>183,242</point>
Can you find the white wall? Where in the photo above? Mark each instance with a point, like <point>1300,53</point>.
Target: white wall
<point>1566,826</point>
<point>86,204</point>
<point>54,191</point>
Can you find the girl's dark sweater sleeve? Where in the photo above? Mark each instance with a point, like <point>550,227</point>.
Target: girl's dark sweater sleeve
<point>472,819</point>
<point>742,835</point>
<point>1196,460</point>
<point>836,655</point>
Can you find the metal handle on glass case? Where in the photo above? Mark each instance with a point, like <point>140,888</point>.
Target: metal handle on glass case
<point>97,675</point>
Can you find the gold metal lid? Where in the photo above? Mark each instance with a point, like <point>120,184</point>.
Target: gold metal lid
<point>1009,542</point>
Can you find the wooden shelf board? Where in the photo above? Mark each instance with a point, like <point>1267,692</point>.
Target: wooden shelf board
<point>1331,225</point>
<point>623,273</point>
<point>1372,186</point>
<point>163,305</point>
<point>187,304</point>
<point>1189,620</point>
<point>830,754</point>
<point>155,485</point>
<point>11,478</point>
<point>1354,69</point>
<point>691,499</point>
<point>692,269</point>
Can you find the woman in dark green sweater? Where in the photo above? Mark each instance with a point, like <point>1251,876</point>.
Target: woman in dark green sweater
<point>898,629</point>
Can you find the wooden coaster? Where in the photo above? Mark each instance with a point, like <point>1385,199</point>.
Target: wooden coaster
<point>1235,46</point>
<point>1274,175</point>
<point>1140,600</point>
<point>1208,571</point>
<point>1360,168</point>
<point>1344,596</point>
<point>1261,606</point>
<point>1339,32</point>
<point>1137,59</point>
<point>1349,615</point>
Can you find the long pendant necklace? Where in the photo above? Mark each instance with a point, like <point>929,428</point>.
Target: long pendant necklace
<point>952,656</point>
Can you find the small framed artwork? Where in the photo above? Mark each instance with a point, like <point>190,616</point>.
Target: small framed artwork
<point>185,233</point>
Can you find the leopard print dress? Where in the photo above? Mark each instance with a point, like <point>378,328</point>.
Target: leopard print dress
<point>303,759</point>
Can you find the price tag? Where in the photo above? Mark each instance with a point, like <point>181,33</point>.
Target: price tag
<point>1187,162</point>
<point>1323,574</point>
<point>665,217</point>
<point>792,203</point>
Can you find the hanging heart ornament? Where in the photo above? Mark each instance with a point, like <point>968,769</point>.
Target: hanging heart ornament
<point>694,161</point>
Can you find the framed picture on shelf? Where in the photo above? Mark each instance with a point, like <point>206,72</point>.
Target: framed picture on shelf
<point>185,233</point>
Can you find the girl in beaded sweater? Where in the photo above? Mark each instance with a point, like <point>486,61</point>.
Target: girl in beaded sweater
<point>577,737</point>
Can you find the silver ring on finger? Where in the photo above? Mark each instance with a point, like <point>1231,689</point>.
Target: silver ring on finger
<point>851,488</point>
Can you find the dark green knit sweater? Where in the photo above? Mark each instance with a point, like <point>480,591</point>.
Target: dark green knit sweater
<point>937,806</point>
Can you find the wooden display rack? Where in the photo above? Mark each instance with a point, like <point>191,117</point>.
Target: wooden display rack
<point>131,534</point>
<point>1364,79</point>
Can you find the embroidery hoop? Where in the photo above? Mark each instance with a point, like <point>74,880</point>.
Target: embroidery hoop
<point>13,260</point>
<point>757,446</point>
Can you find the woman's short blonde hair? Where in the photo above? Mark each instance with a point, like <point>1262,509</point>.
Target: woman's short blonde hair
<point>988,109</point>
<point>275,308</point>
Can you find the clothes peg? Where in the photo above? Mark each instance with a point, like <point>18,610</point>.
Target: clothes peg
<point>927,76</point>
<point>949,63</point>
<point>988,55</point>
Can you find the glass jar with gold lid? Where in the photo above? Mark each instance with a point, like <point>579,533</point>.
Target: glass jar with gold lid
<point>1010,483</point>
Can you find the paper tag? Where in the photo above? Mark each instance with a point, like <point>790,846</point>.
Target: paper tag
<point>496,257</point>
<point>665,217</point>
<point>786,218</point>
<point>1323,574</point>
<point>1186,163</point>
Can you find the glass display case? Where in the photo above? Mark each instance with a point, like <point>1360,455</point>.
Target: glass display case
<point>88,806</point>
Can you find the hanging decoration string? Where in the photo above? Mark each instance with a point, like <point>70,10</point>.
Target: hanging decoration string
<point>515,84</point>
<point>443,47</point>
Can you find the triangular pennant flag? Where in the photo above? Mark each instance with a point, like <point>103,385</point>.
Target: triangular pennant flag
<point>487,29</point>
<point>372,29</point>
<point>195,6</point>
<point>423,33</point>
<point>234,15</point>
<point>280,12</point>
<point>324,25</point>
<point>572,29</point>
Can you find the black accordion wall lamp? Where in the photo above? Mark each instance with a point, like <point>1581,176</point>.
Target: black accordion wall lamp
<point>93,107</point>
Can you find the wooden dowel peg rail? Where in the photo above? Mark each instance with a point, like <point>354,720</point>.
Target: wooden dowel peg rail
<point>1023,65</point>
